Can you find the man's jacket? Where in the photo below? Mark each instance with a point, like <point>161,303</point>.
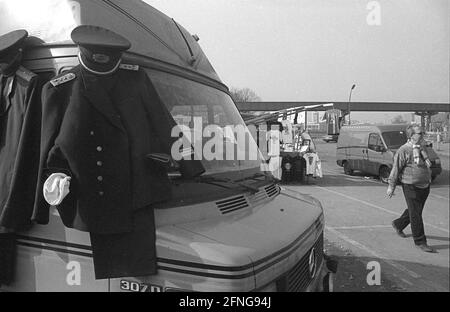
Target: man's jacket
<point>99,131</point>
<point>406,171</point>
<point>20,123</point>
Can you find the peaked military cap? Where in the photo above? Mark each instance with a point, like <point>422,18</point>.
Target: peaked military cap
<point>12,41</point>
<point>100,48</point>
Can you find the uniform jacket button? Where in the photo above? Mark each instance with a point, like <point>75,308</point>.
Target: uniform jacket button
<point>100,178</point>
<point>91,133</point>
<point>101,193</point>
<point>99,163</point>
<point>99,148</point>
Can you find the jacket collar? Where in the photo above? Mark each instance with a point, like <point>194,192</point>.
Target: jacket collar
<point>7,90</point>
<point>97,96</point>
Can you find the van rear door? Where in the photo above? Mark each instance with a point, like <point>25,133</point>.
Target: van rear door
<point>357,147</point>
<point>374,153</point>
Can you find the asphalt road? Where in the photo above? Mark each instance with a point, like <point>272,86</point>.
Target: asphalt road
<point>358,218</point>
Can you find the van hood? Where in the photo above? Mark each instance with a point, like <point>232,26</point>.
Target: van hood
<point>269,228</point>
<point>265,241</point>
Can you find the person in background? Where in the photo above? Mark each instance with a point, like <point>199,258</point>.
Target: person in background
<point>412,168</point>
<point>273,148</point>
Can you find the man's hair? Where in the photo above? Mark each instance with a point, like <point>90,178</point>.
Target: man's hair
<point>410,129</point>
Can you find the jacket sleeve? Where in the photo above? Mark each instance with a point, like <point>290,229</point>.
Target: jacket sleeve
<point>19,206</point>
<point>161,117</point>
<point>50,159</point>
<point>397,168</point>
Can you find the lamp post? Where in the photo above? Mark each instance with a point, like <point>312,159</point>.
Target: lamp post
<point>349,100</point>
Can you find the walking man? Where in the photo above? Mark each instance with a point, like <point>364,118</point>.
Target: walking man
<point>412,168</point>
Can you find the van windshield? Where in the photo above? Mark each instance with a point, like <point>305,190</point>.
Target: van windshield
<point>196,106</point>
<point>394,139</point>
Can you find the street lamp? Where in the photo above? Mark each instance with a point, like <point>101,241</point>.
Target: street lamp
<point>349,100</point>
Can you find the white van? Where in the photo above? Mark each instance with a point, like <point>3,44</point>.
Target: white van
<point>371,149</point>
<point>209,237</point>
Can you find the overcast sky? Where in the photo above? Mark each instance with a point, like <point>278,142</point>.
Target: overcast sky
<point>314,50</point>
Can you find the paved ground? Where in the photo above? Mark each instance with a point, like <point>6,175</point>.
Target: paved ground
<point>442,149</point>
<point>358,219</point>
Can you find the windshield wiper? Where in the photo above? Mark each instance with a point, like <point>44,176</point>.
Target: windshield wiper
<point>214,181</point>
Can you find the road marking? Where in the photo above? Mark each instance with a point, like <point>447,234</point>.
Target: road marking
<point>439,196</point>
<point>373,180</point>
<point>375,206</point>
<point>355,227</point>
<point>371,252</point>
<point>406,281</point>
<point>334,173</point>
<point>384,259</point>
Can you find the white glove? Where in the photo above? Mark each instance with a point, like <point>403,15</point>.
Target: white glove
<point>56,187</point>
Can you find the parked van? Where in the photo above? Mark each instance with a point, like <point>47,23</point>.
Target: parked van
<point>371,148</point>
<point>242,232</point>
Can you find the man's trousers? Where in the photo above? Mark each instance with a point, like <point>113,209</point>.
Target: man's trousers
<point>415,200</point>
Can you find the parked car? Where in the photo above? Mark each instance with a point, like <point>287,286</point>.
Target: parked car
<point>371,149</point>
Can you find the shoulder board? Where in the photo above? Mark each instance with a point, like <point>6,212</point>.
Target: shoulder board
<point>25,74</point>
<point>129,67</point>
<point>63,79</point>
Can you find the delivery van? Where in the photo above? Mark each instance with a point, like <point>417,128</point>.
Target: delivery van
<point>371,148</point>
<point>238,230</point>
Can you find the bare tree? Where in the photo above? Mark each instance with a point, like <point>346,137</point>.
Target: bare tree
<point>244,95</point>
<point>398,120</point>
<point>440,120</point>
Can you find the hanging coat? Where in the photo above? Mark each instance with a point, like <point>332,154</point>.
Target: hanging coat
<point>99,132</point>
<point>20,117</point>
<point>20,124</point>
<point>84,136</point>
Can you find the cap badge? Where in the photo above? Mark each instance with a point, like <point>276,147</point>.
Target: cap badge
<point>101,58</point>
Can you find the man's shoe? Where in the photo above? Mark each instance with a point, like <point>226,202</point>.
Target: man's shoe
<point>425,247</point>
<point>399,232</point>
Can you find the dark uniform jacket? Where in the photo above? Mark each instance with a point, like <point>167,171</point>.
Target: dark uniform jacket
<point>99,131</point>
<point>20,118</point>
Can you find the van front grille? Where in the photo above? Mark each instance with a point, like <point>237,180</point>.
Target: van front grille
<point>299,277</point>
